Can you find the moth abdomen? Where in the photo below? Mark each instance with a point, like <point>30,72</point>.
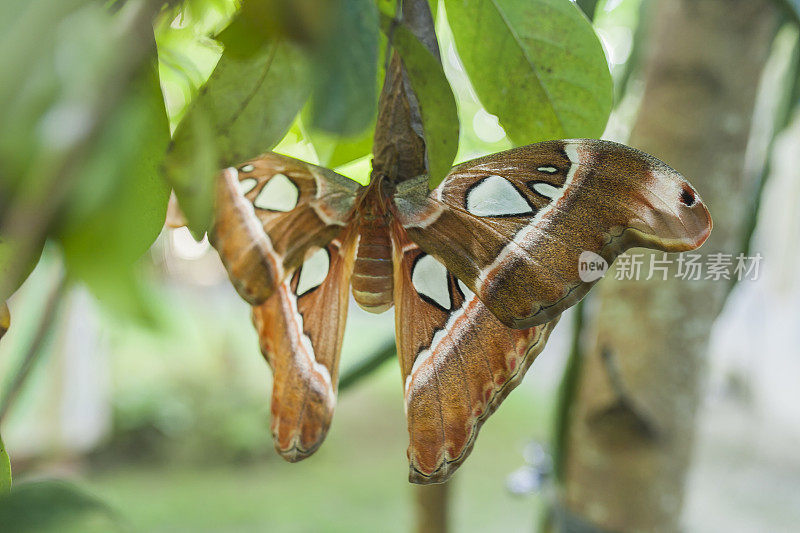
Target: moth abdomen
<point>372,279</point>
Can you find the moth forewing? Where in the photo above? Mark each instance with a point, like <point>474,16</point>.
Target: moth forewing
<point>584,195</point>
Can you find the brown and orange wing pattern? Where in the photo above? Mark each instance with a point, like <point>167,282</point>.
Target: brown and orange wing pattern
<point>512,226</point>
<point>269,212</point>
<point>458,361</point>
<point>300,329</point>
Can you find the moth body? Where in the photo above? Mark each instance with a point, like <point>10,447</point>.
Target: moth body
<point>372,280</point>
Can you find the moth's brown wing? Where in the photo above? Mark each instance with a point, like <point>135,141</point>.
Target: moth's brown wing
<point>5,319</point>
<point>269,212</point>
<point>458,361</point>
<point>513,225</point>
<point>300,328</point>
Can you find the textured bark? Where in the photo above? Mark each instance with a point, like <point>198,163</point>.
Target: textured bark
<point>631,416</point>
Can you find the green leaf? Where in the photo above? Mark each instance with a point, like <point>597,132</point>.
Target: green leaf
<point>5,470</point>
<point>101,246</point>
<point>436,102</point>
<point>794,8</point>
<point>190,166</point>
<point>56,506</point>
<point>5,319</point>
<point>76,133</point>
<point>245,109</point>
<point>44,110</point>
<point>21,45</point>
<point>388,7</point>
<point>336,150</point>
<point>588,7</point>
<point>12,275</point>
<point>345,99</point>
<point>535,64</point>
<point>339,150</point>
<point>434,5</point>
<point>304,22</point>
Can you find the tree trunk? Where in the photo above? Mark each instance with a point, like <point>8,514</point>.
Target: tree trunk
<point>432,507</point>
<point>631,411</point>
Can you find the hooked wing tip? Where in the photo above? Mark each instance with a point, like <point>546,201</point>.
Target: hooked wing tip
<point>440,474</point>
<point>294,451</point>
<point>295,439</point>
<point>703,236</point>
<point>697,226</point>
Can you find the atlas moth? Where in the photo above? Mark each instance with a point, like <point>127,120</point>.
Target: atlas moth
<point>478,269</point>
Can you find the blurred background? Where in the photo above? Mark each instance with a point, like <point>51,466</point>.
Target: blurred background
<point>166,421</point>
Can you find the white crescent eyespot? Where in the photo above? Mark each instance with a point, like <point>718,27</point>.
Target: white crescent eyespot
<point>546,190</point>
<point>247,168</point>
<point>495,196</point>
<point>429,278</point>
<point>247,185</point>
<point>313,272</point>
<point>548,170</point>
<point>279,194</point>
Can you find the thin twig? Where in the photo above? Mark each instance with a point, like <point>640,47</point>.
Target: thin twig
<point>35,349</point>
<point>366,366</point>
<point>566,392</point>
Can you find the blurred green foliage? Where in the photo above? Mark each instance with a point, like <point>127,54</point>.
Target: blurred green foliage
<point>5,470</point>
<point>350,485</point>
<point>83,135</point>
<point>44,506</point>
<point>127,159</point>
<point>794,8</point>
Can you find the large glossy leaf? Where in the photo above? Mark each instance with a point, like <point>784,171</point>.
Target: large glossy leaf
<point>335,150</point>
<point>536,64</point>
<point>21,45</point>
<point>436,102</point>
<point>102,246</point>
<point>5,470</point>
<point>82,140</point>
<point>245,108</point>
<point>44,110</point>
<point>345,59</point>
